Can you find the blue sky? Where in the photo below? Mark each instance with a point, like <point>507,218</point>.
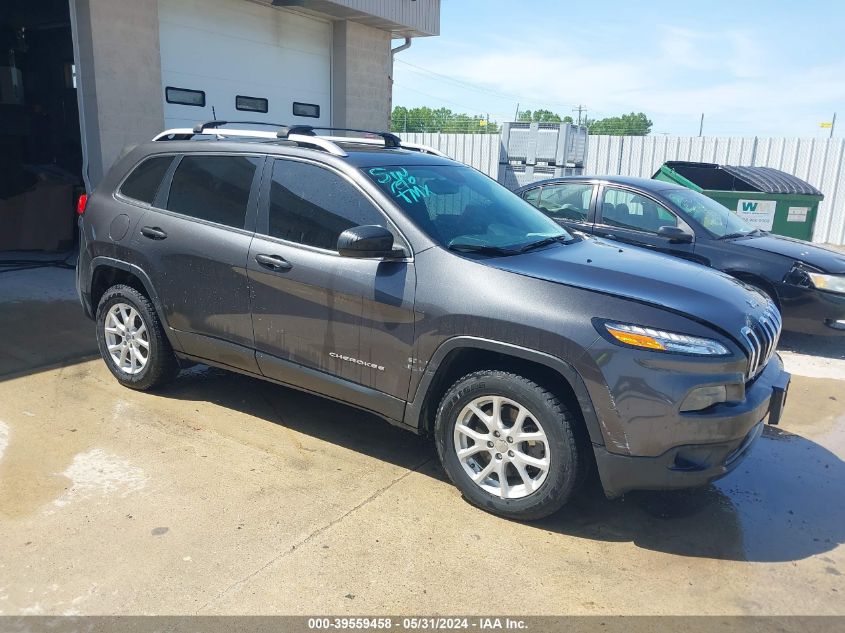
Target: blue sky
<point>771,68</point>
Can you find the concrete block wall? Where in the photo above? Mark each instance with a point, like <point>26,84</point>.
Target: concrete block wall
<point>360,77</point>
<point>119,71</point>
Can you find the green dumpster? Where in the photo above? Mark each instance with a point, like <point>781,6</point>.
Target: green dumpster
<point>768,199</point>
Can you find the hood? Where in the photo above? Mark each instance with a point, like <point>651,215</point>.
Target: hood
<point>663,281</point>
<point>825,260</point>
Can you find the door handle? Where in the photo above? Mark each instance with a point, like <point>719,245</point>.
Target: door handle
<point>273,261</point>
<point>153,232</point>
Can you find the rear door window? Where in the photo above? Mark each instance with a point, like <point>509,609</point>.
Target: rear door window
<point>213,188</point>
<point>143,183</point>
<point>570,201</point>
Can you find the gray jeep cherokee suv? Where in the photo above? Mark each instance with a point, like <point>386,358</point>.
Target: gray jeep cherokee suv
<point>416,288</point>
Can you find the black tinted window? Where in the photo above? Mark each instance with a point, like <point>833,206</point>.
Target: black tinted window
<point>213,188</point>
<point>142,184</point>
<point>569,201</point>
<point>629,210</point>
<point>311,205</point>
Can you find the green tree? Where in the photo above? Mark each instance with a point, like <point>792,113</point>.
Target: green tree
<point>424,119</point>
<point>543,116</point>
<point>633,124</point>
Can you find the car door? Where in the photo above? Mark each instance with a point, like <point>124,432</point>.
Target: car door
<point>632,217</point>
<point>568,203</point>
<point>336,325</point>
<point>195,241</point>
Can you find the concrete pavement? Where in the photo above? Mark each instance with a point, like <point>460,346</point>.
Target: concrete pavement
<point>226,495</point>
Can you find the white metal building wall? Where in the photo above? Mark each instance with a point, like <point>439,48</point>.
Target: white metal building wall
<point>821,162</point>
<point>233,47</point>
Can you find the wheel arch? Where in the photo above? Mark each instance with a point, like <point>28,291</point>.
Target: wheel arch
<point>461,355</point>
<point>107,272</point>
<point>757,281</point>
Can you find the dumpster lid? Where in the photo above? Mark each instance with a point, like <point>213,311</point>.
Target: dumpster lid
<point>737,178</point>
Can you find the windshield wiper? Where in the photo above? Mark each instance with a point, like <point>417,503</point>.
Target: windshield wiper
<point>730,236</point>
<point>481,248</point>
<point>544,242</point>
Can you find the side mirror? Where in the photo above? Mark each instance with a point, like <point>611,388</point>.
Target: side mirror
<point>675,234</point>
<point>366,241</point>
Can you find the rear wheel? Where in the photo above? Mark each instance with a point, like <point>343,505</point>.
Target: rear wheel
<point>132,341</point>
<point>509,445</point>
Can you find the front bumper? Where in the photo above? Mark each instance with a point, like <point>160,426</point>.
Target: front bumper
<point>691,464</point>
<point>812,311</point>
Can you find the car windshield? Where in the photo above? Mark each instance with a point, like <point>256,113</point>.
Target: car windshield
<point>717,219</point>
<point>464,210</point>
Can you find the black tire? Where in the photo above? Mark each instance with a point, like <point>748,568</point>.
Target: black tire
<point>568,458</point>
<point>161,364</point>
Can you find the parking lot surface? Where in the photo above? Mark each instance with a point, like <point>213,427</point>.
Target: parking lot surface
<point>222,494</point>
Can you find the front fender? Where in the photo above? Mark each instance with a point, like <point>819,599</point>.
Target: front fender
<point>415,408</point>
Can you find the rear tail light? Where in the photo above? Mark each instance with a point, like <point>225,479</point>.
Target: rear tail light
<point>82,203</point>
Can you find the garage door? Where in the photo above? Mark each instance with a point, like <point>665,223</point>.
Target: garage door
<point>237,60</point>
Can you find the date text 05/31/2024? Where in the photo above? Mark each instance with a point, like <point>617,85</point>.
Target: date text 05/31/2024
<point>421,623</point>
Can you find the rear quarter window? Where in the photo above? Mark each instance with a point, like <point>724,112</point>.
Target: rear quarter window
<point>143,182</point>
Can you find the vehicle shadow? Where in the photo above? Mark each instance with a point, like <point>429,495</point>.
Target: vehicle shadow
<point>311,415</point>
<point>783,503</point>
<point>822,346</point>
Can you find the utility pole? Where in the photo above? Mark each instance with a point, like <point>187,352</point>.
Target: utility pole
<point>832,125</point>
<point>701,125</point>
<point>516,116</point>
<point>579,110</point>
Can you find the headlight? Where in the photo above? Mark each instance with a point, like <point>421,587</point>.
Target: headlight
<point>830,283</point>
<point>649,338</point>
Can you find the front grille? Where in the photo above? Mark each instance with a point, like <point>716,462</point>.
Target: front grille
<point>761,339</point>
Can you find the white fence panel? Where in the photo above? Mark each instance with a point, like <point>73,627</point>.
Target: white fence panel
<point>479,150</point>
<point>821,162</point>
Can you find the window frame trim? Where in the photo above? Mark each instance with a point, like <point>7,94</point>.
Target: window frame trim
<point>264,99</point>
<point>599,211</point>
<point>591,203</point>
<point>263,221</point>
<point>189,105</point>
<point>250,217</point>
<point>306,116</point>
<point>117,194</point>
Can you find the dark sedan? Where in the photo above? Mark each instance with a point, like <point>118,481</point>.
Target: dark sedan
<point>806,281</point>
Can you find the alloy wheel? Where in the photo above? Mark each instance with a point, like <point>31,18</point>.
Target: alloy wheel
<point>502,447</point>
<point>127,338</point>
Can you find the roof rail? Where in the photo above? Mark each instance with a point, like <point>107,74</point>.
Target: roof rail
<point>301,134</point>
<point>391,141</point>
<point>207,125</point>
<point>186,134</point>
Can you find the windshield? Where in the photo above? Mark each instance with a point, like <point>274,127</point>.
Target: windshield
<point>717,219</point>
<point>464,210</point>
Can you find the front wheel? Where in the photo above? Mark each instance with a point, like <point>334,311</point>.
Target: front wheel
<point>509,445</point>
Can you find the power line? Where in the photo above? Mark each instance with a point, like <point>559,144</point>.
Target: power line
<point>431,96</point>
<point>477,88</point>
